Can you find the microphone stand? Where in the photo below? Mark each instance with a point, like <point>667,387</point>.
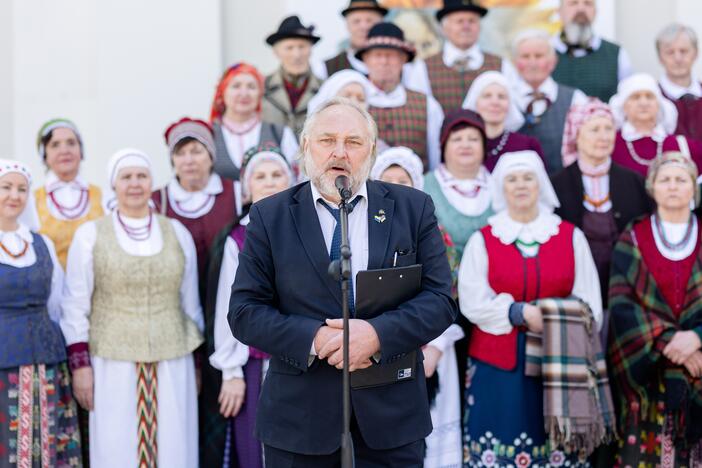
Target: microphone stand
<point>341,270</point>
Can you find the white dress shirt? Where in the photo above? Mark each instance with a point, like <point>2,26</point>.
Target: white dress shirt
<point>230,355</point>
<point>523,95</point>
<point>14,241</point>
<point>623,61</point>
<point>596,188</point>
<point>417,79</point>
<point>489,310</point>
<point>80,276</point>
<point>435,117</point>
<point>676,91</point>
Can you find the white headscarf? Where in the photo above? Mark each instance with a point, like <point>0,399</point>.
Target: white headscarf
<point>522,161</point>
<point>403,157</point>
<point>127,157</point>
<point>335,83</point>
<point>261,157</point>
<point>667,113</point>
<point>514,120</point>
<point>28,216</point>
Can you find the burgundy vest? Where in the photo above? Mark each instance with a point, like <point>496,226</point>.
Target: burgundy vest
<point>550,273</point>
<point>205,228</point>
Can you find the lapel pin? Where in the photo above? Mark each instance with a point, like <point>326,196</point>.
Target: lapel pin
<point>380,217</point>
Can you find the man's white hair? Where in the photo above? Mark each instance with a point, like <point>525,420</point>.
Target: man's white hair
<point>371,127</point>
<point>528,34</point>
<point>671,32</point>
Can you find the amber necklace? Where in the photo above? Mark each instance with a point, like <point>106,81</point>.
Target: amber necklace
<point>13,255</point>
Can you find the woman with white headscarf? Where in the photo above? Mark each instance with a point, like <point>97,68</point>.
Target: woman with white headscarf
<point>345,83</point>
<point>490,95</point>
<point>230,405</point>
<point>38,418</point>
<point>646,122</point>
<point>525,253</point>
<point>132,318</point>
<point>401,165</point>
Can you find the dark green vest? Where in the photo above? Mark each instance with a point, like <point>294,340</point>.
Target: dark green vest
<point>596,74</point>
<point>337,63</point>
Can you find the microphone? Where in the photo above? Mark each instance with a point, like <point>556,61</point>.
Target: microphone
<point>343,185</point>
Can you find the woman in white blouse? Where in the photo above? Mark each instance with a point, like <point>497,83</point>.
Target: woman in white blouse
<point>66,200</point>
<point>132,319</point>
<point>524,253</point>
<point>38,420</point>
<point>237,122</point>
<point>265,171</point>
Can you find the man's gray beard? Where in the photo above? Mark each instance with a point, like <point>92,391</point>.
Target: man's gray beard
<point>577,33</point>
<point>327,188</point>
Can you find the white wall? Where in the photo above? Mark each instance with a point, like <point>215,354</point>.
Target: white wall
<point>122,71</point>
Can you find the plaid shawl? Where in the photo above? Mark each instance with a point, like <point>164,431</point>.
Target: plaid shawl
<point>641,325</point>
<point>578,410</point>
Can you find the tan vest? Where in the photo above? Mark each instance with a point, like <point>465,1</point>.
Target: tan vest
<point>61,231</point>
<point>136,310</point>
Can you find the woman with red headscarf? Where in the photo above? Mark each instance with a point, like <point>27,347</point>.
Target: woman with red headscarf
<point>237,123</point>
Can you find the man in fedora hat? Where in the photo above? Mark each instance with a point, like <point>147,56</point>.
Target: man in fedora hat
<point>404,117</point>
<point>360,16</point>
<point>585,60</point>
<point>448,74</point>
<point>289,89</point>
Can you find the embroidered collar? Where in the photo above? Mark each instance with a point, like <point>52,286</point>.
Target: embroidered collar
<point>178,193</point>
<point>53,183</point>
<point>629,133</point>
<point>22,232</point>
<point>395,98</point>
<point>676,91</point>
<point>541,229</point>
<point>595,171</point>
<point>446,179</point>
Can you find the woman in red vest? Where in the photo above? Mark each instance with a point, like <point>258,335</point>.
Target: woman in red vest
<point>524,253</point>
<point>655,342</point>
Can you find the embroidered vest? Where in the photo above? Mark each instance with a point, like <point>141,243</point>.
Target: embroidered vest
<point>337,63</point>
<point>449,86</point>
<point>596,74</point>
<point>27,333</point>
<point>206,227</point>
<point>405,125</point>
<point>136,312</point>
<point>550,273</point>
<point>61,231</point>
<point>459,226</point>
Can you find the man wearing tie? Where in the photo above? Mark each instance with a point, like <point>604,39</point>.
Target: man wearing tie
<point>543,102</point>
<point>284,303</point>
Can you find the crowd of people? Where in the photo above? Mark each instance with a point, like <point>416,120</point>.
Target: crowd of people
<point>565,187</point>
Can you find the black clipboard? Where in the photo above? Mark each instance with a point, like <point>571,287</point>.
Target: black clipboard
<point>378,291</point>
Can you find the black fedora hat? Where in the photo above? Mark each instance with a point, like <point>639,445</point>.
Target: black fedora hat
<point>291,27</point>
<point>355,5</point>
<point>387,36</point>
<point>452,6</point>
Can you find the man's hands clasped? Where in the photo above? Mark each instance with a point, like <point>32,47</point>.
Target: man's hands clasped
<point>363,343</point>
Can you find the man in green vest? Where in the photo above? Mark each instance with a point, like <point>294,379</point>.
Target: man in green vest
<point>585,60</point>
<point>448,74</point>
<point>360,16</point>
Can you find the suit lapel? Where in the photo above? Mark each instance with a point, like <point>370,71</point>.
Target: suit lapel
<point>380,218</point>
<point>307,225</point>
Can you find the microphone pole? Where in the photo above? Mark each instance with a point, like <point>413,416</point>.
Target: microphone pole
<point>342,271</point>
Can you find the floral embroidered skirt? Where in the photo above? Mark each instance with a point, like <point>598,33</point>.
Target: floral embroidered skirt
<point>504,422</point>
<point>38,417</point>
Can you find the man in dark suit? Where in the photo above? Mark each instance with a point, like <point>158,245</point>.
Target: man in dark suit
<point>284,303</point>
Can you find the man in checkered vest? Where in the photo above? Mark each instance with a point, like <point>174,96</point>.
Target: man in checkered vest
<point>404,117</point>
<point>448,74</point>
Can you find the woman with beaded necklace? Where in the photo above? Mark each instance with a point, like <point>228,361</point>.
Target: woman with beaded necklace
<point>655,299</point>
<point>38,420</point>
<point>646,122</point>
<point>66,200</point>
<point>132,318</point>
<point>490,96</point>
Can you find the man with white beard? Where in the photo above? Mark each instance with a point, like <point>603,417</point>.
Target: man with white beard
<point>585,60</point>
<point>285,304</point>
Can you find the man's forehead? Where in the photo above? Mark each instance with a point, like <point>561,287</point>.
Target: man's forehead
<point>340,120</point>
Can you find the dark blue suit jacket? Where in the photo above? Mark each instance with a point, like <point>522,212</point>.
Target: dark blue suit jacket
<point>282,294</point>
